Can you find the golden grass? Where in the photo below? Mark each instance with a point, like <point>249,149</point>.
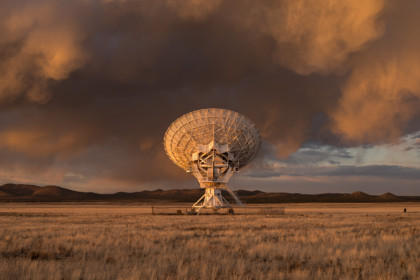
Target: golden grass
<point>310,241</point>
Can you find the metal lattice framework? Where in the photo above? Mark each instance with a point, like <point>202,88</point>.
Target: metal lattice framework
<point>212,144</point>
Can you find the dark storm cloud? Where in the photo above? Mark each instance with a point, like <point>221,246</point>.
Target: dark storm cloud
<point>88,88</point>
<point>264,174</point>
<point>382,171</point>
<point>313,154</point>
<point>309,155</point>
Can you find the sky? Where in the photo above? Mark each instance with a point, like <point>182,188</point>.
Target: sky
<point>88,89</point>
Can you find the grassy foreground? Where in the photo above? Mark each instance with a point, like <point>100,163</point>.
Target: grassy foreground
<point>331,241</point>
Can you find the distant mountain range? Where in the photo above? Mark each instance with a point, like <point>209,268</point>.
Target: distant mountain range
<point>31,193</point>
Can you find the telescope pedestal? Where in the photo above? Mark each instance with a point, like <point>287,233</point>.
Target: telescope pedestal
<point>213,198</point>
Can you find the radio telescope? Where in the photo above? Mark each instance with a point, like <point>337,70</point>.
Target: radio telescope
<point>212,144</point>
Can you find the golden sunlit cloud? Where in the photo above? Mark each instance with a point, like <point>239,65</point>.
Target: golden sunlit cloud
<point>43,46</point>
<point>319,36</point>
<point>382,94</point>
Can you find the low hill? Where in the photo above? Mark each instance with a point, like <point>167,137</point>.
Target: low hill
<point>21,192</point>
<point>31,193</point>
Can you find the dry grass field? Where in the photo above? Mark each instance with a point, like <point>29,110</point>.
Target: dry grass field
<point>309,241</point>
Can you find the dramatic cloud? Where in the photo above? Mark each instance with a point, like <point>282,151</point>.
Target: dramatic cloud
<point>88,87</point>
<point>39,46</point>
<point>382,94</point>
<point>319,36</point>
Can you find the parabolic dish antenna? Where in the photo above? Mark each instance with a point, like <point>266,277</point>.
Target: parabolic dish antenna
<point>212,144</point>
